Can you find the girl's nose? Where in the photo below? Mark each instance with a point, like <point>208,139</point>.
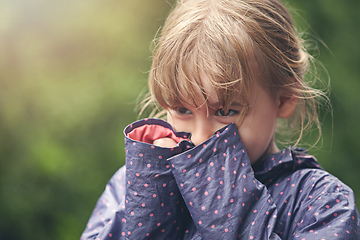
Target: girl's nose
<point>201,133</point>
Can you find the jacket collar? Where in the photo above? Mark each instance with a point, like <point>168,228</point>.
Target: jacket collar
<point>285,161</point>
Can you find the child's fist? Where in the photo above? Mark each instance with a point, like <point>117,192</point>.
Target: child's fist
<point>165,142</point>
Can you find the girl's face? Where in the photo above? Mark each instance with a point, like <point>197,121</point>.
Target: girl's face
<point>257,130</point>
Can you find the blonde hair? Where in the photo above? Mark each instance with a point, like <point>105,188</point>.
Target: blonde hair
<point>235,43</point>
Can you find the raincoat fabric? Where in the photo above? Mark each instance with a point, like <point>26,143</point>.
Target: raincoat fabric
<point>211,191</point>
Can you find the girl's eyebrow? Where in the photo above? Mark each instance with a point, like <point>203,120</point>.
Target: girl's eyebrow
<point>215,105</point>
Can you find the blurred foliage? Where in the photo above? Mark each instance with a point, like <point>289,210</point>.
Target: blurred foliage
<point>70,74</point>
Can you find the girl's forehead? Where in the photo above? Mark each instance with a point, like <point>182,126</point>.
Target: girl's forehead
<point>207,92</point>
<point>197,92</point>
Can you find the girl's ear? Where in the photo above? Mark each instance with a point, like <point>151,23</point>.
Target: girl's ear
<point>286,106</point>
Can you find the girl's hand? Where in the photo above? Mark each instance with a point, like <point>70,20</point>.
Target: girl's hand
<point>165,142</point>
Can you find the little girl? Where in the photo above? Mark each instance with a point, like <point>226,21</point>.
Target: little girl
<point>224,72</point>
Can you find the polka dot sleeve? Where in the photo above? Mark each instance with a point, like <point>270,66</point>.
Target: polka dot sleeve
<point>220,190</point>
<point>142,200</point>
<point>154,207</point>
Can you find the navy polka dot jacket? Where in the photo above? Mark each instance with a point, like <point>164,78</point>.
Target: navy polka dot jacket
<point>211,191</point>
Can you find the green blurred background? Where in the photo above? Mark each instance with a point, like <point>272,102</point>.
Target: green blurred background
<point>70,75</point>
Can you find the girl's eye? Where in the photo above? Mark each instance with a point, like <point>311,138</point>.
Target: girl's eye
<point>221,113</point>
<point>184,110</point>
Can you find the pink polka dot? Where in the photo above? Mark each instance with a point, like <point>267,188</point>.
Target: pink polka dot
<point>137,174</point>
<point>200,160</point>
<point>216,211</point>
<point>151,215</point>
<point>197,174</point>
<point>140,224</point>
<point>203,208</point>
<point>226,140</point>
<point>221,182</point>
<point>214,150</point>
<point>244,189</point>
<point>229,215</point>
<point>209,178</point>
<point>110,234</point>
<point>160,157</point>
<point>235,159</point>
<point>164,185</point>
<point>184,171</point>
<point>200,222</point>
<point>211,164</point>
<point>218,197</point>
<point>143,204</point>
<point>141,155</point>
<point>193,189</point>
<point>149,165</point>
<point>213,226</point>
<point>224,154</point>
<point>190,203</point>
<point>204,145</point>
<point>206,193</point>
<point>226,230</point>
<point>135,193</point>
<point>154,195</point>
